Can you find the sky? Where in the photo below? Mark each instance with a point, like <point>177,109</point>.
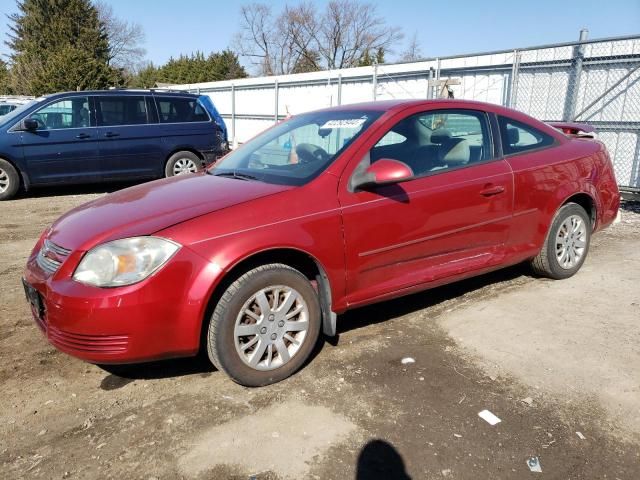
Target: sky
<point>443,27</point>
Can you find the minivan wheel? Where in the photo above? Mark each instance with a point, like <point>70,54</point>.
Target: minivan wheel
<point>265,325</point>
<point>9,180</point>
<point>182,163</point>
<point>567,244</point>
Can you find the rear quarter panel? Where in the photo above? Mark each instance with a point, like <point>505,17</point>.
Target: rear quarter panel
<point>545,179</point>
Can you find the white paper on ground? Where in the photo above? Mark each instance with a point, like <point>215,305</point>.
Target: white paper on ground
<point>489,417</point>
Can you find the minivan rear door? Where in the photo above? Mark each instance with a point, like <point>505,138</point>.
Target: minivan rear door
<point>129,137</point>
<point>63,149</point>
<point>186,125</point>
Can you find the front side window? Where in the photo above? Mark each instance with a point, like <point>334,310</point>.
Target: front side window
<point>66,113</point>
<point>518,137</point>
<point>437,140</point>
<point>125,110</point>
<point>296,151</point>
<point>180,110</point>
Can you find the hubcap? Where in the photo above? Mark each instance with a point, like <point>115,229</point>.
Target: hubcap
<point>4,181</point>
<point>271,327</point>
<point>184,166</point>
<point>571,240</point>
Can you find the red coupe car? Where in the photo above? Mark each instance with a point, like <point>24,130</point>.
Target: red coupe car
<point>327,211</point>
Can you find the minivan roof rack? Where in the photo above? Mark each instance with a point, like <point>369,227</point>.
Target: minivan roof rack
<point>168,90</point>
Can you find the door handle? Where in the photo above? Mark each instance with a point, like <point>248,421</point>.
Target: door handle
<point>490,190</point>
<point>82,136</point>
<point>111,134</point>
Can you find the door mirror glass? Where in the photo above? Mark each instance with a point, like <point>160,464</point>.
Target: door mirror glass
<point>385,171</point>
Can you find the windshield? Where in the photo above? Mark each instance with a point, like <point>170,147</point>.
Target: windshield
<point>298,150</point>
<point>17,112</point>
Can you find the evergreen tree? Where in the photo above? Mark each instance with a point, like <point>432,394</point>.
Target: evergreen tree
<point>4,78</point>
<point>58,45</point>
<point>194,68</point>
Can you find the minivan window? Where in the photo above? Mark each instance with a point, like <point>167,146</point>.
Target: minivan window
<point>125,110</point>
<point>180,109</point>
<point>65,113</point>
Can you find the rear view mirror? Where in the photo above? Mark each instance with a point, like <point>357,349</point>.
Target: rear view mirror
<point>29,124</point>
<point>385,171</point>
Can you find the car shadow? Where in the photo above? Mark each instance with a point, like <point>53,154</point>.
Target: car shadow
<point>121,375</point>
<point>386,310</point>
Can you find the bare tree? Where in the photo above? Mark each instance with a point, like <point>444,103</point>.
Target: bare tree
<point>413,52</point>
<point>301,38</point>
<point>125,39</point>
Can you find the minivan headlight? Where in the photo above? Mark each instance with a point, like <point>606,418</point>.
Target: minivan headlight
<point>124,262</point>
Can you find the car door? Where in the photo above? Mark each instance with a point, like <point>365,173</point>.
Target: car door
<point>129,140</point>
<point>63,149</point>
<point>452,217</point>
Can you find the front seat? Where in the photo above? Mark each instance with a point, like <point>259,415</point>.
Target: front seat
<point>454,152</point>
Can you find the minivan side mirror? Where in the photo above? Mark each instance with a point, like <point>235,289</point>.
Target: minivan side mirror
<point>385,171</point>
<point>29,124</point>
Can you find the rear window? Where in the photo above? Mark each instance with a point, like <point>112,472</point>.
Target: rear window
<point>129,110</point>
<point>180,110</point>
<point>518,137</point>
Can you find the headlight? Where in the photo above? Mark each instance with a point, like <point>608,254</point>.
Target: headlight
<point>124,262</point>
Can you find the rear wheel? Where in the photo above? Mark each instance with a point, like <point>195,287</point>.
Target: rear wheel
<point>264,326</point>
<point>9,180</point>
<point>182,163</point>
<point>567,244</point>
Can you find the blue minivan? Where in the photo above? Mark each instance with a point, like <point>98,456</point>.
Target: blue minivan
<point>108,135</point>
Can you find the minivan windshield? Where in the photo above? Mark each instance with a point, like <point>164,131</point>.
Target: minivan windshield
<point>297,150</point>
<point>5,119</point>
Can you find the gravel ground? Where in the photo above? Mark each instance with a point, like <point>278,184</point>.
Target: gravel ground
<point>550,359</point>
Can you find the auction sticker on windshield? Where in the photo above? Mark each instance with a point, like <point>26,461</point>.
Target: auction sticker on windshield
<point>344,123</point>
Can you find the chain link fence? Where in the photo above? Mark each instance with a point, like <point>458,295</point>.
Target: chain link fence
<point>595,82</point>
<point>589,81</point>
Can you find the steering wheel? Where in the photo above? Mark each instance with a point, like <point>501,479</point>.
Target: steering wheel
<point>309,153</point>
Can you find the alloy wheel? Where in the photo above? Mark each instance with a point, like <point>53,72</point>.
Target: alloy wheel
<point>571,241</point>
<point>4,181</point>
<point>271,327</point>
<point>184,166</point>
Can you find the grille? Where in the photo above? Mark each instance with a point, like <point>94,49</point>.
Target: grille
<point>103,344</point>
<point>51,256</point>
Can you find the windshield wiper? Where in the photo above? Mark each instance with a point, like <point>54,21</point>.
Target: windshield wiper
<point>234,174</point>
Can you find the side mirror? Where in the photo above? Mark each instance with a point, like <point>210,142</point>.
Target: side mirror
<point>29,124</point>
<point>385,171</point>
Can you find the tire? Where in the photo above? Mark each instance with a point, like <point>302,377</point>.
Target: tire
<point>9,180</point>
<point>181,163</point>
<point>554,260</point>
<point>255,359</point>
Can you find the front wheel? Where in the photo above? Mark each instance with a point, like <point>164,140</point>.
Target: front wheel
<point>265,325</point>
<point>182,163</point>
<point>567,244</point>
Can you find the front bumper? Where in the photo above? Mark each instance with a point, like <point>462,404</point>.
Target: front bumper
<point>160,317</point>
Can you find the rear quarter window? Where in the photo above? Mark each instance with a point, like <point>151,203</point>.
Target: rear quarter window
<point>518,137</point>
<point>180,110</point>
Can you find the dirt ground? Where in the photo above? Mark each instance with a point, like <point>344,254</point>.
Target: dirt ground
<point>550,359</point>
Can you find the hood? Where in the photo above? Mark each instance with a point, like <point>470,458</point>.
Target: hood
<point>153,206</point>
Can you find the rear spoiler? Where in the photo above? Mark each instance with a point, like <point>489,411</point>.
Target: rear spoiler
<point>574,129</point>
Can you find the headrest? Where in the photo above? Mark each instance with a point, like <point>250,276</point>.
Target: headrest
<point>455,151</point>
<point>440,135</point>
<point>513,135</point>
